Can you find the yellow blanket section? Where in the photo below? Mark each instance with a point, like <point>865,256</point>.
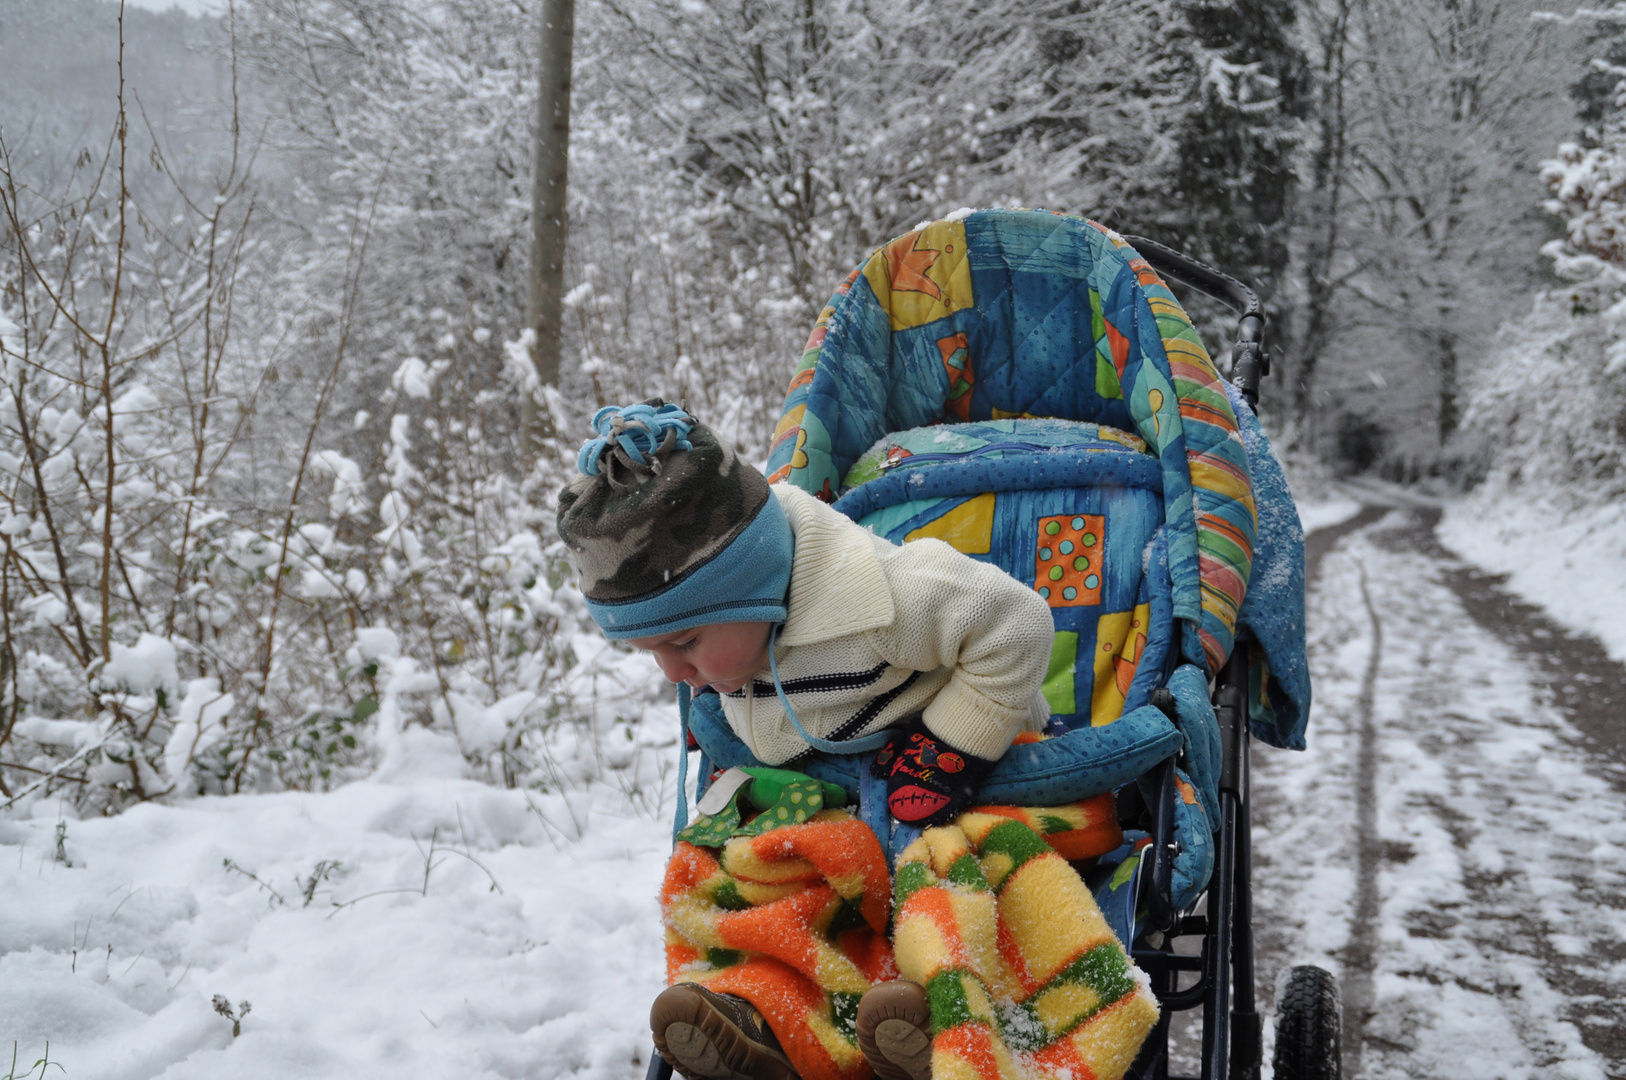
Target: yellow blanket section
<point>1024,977</point>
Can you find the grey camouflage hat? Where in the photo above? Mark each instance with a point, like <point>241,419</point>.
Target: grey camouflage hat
<point>661,498</point>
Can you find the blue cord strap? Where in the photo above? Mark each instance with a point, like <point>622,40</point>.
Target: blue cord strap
<point>682,819</point>
<point>639,430</point>
<point>873,741</point>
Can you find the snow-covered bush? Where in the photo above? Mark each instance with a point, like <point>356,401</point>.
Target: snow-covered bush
<point>204,586</point>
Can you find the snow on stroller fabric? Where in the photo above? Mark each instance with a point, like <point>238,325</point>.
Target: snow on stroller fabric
<point>1023,386</point>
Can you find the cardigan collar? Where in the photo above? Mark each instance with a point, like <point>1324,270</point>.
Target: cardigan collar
<point>837,586</point>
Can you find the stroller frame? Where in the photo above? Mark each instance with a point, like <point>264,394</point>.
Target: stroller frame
<point>1232,1028</point>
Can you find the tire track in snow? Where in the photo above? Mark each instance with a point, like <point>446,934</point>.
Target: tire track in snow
<point>1448,842</point>
<point>1588,687</point>
<point>1360,957</point>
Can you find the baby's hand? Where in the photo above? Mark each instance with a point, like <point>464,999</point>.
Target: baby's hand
<point>927,782</point>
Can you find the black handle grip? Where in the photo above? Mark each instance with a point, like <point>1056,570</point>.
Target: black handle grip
<point>1249,360</point>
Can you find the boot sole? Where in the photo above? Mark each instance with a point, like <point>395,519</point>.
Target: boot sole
<point>702,1043</point>
<point>894,1031</point>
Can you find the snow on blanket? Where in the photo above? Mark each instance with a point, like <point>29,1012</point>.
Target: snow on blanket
<point>1024,977</point>
<point>432,926</point>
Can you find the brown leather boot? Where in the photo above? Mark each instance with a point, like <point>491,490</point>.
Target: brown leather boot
<point>895,1031</point>
<point>711,1036</point>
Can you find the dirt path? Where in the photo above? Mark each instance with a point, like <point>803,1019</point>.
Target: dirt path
<point>1454,844</point>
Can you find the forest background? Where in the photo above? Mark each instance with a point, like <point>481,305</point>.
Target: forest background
<point>265,514</point>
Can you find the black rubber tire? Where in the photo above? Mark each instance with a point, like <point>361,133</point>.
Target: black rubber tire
<point>1309,1021</point>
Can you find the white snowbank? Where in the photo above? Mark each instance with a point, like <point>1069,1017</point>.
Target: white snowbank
<point>451,929</point>
<point>1566,556</point>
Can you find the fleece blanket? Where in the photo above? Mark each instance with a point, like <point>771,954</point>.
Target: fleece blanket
<point>1023,975</point>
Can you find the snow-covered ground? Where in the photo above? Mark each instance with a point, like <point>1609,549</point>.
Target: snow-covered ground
<point>1449,845</point>
<point>1328,508</point>
<point>1567,559</point>
<point>428,926</point>
<point>428,923</point>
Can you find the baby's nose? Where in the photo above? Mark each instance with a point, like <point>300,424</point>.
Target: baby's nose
<point>676,670</point>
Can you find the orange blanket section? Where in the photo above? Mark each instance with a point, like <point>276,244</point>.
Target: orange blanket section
<point>796,921</point>
<point>1081,830</point>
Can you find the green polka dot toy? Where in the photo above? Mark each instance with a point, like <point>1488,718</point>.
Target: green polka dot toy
<point>783,797</point>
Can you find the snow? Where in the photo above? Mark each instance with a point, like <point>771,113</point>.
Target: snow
<point>436,926</point>
<point>143,668</point>
<point>201,724</point>
<point>1567,559</point>
<point>1325,511</point>
<point>349,490</point>
<point>423,921</point>
<point>1496,834</point>
<point>414,378</point>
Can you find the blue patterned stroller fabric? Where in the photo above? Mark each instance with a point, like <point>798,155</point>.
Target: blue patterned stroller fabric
<point>1010,314</point>
<point>1024,387</point>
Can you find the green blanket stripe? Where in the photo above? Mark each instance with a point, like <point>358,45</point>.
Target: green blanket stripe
<point>967,873</point>
<point>950,1002</point>
<point>909,879</point>
<point>844,1014</point>
<point>1016,840</point>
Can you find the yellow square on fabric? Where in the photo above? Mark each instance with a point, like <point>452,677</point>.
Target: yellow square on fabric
<point>1119,638</point>
<point>921,948</point>
<point>968,528</point>
<point>1061,1006</point>
<point>694,917</point>
<point>1109,1042</point>
<point>922,276</point>
<point>1051,916</point>
<point>947,1065</point>
<point>946,845</point>
<point>978,924</point>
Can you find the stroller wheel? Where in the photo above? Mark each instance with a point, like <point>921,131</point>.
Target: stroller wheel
<point>1308,1022</point>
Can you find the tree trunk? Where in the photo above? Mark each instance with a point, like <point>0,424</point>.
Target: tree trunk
<point>550,222</point>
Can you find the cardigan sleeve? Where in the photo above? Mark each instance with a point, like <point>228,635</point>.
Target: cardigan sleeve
<point>992,631</point>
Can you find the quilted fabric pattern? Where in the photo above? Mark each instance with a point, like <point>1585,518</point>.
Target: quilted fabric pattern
<point>1070,508</point>
<point>1001,314</point>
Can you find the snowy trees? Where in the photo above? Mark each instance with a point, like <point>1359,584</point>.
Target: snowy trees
<point>1234,177</point>
<point>1431,119</point>
<point>1556,385</point>
<point>201,586</point>
<point>298,399</point>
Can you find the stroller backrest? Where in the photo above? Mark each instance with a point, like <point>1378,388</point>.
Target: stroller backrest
<point>1000,314</point>
<point>1075,510</point>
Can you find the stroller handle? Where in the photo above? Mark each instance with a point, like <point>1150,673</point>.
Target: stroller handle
<point>1249,360</point>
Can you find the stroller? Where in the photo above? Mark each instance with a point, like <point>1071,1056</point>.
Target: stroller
<point>1024,386</point>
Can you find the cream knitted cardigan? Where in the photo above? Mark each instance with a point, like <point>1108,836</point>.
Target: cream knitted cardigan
<point>877,632</point>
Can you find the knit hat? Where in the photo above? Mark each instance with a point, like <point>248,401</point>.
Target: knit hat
<point>669,529</point>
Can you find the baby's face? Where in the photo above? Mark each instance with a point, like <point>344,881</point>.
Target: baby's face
<point>723,656</point>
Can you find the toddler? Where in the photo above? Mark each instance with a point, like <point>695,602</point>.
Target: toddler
<point>817,634</point>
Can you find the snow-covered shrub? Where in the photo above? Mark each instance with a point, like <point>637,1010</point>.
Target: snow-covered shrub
<point>214,575</point>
